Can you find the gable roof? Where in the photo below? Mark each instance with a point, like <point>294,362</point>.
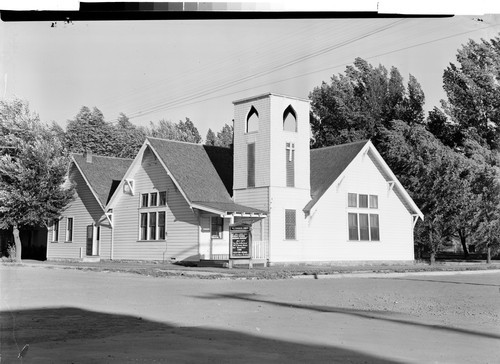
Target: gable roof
<point>190,164</point>
<point>102,174</point>
<point>327,164</point>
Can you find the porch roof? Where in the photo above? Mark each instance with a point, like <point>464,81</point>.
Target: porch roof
<point>228,208</point>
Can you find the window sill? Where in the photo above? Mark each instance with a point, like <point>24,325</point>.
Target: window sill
<point>68,242</point>
<point>149,241</point>
<point>363,241</point>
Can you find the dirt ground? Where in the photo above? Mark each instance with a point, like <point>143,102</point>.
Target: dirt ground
<point>74,316</point>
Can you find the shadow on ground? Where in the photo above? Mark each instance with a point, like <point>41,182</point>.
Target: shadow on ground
<point>73,335</point>
<point>366,314</point>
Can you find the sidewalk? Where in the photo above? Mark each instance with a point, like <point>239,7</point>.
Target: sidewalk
<point>156,269</point>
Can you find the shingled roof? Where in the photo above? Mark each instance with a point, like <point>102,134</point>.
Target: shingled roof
<point>102,174</point>
<point>327,164</point>
<point>204,173</point>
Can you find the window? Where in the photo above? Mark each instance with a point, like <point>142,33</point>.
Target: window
<point>55,230</point>
<point>290,165</point>
<point>362,225</point>
<point>144,200</point>
<point>152,226</point>
<point>251,165</point>
<point>153,199</point>
<point>144,226</point>
<point>352,200</point>
<point>161,225</point>
<point>353,226</point>
<point>363,201</point>
<point>69,229</point>
<point>252,120</point>
<point>163,198</point>
<point>217,226</point>
<point>290,225</point>
<point>289,119</point>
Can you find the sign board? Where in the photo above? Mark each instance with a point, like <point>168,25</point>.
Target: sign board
<point>240,242</point>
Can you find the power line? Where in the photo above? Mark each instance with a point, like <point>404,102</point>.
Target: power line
<point>187,98</point>
<point>190,100</point>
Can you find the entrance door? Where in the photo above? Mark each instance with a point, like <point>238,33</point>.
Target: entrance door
<point>90,239</point>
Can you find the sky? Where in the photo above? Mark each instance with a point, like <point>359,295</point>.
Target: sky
<point>152,70</point>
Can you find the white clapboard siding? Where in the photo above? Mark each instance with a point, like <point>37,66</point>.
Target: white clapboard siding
<point>85,210</point>
<point>328,226</point>
<point>182,225</point>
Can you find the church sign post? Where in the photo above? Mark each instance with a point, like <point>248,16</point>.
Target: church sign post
<point>240,243</point>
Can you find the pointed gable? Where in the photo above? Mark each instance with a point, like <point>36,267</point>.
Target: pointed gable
<point>102,174</point>
<point>327,164</point>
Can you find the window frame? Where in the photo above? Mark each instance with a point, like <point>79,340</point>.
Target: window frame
<point>288,224</point>
<point>251,163</point>
<point>290,164</point>
<point>220,227</point>
<point>153,217</point>
<point>55,230</point>
<point>70,232</point>
<point>365,217</point>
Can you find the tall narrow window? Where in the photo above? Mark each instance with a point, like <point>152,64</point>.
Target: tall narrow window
<point>290,225</point>
<point>290,164</point>
<point>352,200</point>
<point>153,199</point>
<point>364,231</point>
<point>252,120</point>
<point>353,226</point>
<point>289,119</point>
<point>217,227</point>
<point>144,226</point>
<point>69,229</point>
<point>144,200</point>
<point>161,225</point>
<point>152,226</point>
<point>373,201</point>
<point>163,198</point>
<point>55,230</point>
<point>374,229</point>
<point>251,165</point>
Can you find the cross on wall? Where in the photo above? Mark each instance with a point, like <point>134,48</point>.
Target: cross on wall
<point>290,147</point>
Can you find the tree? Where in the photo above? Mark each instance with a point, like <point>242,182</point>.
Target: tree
<point>210,139</point>
<point>188,132</point>
<point>360,103</point>
<point>127,138</point>
<point>32,171</point>
<point>183,131</point>
<point>88,131</point>
<point>473,90</point>
<point>438,179</point>
<point>225,136</point>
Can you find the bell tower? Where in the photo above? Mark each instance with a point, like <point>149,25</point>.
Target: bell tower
<point>271,161</point>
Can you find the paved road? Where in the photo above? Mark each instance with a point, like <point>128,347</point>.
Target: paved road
<point>71,316</point>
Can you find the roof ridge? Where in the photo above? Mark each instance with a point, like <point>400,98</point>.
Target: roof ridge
<point>103,156</point>
<point>342,145</point>
<point>174,141</point>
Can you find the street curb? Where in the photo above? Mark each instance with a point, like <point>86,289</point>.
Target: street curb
<point>393,274</point>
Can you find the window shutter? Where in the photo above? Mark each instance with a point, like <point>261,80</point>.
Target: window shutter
<point>251,165</point>
<point>290,224</point>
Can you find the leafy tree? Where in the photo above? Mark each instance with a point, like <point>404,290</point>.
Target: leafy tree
<point>210,138</point>
<point>438,179</point>
<point>127,138</point>
<point>360,103</point>
<point>32,171</point>
<point>188,132</point>
<point>225,136</point>
<point>183,131</point>
<point>88,131</point>
<point>473,90</point>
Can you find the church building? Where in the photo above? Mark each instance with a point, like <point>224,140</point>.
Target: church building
<point>268,199</point>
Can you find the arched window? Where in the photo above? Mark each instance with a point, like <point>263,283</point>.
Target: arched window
<point>289,119</point>
<point>252,120</point>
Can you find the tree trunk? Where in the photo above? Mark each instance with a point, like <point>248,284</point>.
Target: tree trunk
<point>431,242</point>
<point>17,241</point>
<point>433,258</point>
<point>488,255</point>
<point>463,240</point>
